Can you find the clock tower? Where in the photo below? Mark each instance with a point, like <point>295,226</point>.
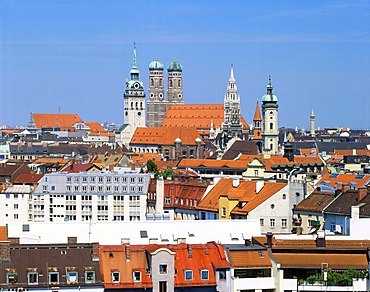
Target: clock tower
<point>270,127</point>
<point>134,103</point>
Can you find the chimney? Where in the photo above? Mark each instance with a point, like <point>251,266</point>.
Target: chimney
<point>4,251</point>
<point>247,242</point>
<point>14,240</point>
<point>269,236</point>
<point>72,240</point>
<point>345,188</point>
<point>190,251</point>
<point>362,193</point>
<point>320,239</point>
<point>127,252</point>
<point>160,196</point>
<point>236,182</point>
<point>259,185</point>
<point>95,251</point>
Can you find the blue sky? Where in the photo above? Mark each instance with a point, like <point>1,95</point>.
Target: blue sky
<point>74,55</point>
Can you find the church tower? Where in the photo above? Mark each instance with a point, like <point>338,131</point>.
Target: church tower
<point>134,103</point>
<point>174,86</point>
<point>270,127</point>
<point>156,105</point>
<point>312,124</point>
<point>257,124</point>
<point>231,126</point>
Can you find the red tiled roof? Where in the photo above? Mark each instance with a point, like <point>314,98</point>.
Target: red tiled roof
<point>78,167</point>
<point>199,116</point>
<point>165,136</point>
<point>315,202</point>
<point>62,121</point>
<point>28,178</point>
<point>212,163</point>
<point>257,113</point>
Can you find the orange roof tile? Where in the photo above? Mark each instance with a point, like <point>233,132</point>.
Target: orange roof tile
<point>245,192</point>
<point>143,158</point>
<point>28,178</point>
<point>257,113</point>
<point>347,152</point>
<point>334,180</point>
<point>165,136</point>
<point>199,116</point>
<point>62,121</point>
<point>250,259</point>
<point>95,127</point>
<point>212,163</point>
<point>3,233</point>
<point>313,260</point>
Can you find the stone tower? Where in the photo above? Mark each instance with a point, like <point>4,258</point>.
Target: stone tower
<point>156,105</point>
<point>257,124</point>
<point>134,103</point>
<point>174,84</point>
<point>231,126</point>
<point>270,127</point>
<point>312,124</point>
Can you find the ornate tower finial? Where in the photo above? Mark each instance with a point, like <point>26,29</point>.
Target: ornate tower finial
<point>134,54</point>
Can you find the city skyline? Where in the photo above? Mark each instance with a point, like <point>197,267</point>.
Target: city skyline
<point>74,56</point>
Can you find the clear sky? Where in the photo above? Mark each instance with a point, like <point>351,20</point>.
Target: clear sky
<point>74,55</point>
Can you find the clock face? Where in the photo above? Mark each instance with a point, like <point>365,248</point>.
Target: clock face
<point>179,96</point>
<point>271,113</point>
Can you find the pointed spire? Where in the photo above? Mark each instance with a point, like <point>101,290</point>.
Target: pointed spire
<point>134,65</point>
<point>312,114</point>
<point>257,113</point>
<point>269,86</point>
<point>232,78</point>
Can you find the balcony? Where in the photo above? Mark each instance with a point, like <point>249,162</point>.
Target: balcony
<point>291,284</point>
<point>253,283</point>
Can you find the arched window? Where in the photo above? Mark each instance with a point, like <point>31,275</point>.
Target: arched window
<point>284,196</point>
<point>170,83</point>
<point>160,82</point>
<point>132,104</point>
<point>179,83</point>
<point>136,105</point>
<point>152,82</point>
<point>271,126</point>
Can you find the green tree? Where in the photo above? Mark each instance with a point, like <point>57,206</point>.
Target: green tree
<point>151,166</point>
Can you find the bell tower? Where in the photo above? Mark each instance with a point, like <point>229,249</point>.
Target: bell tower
<point>270,127</point>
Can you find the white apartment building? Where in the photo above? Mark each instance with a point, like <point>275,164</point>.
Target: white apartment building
<point>93,197</point>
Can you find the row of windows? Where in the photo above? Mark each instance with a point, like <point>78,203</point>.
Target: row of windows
<point>53,277</point>
<point>188,202</point>
<point>107,189</point>
<point>284,222</point>
<point>101,179</point>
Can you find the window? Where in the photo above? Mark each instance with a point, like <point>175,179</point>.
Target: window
<point>262,221</point>
<point>332,227</point>
<point>284,196</point>
<point>32,278</point>
<point>11,278</point>
<point>168,200</point>
<point>204,274</point>
<point>272,223</point>
<point>137,276</point>
<point>162,286</point>
<point>16,216</point>
<point>256,172</point>
<point>272,206</point>
<point>54,277</point>
<point>223,214</point>
<point>163,269</point>
<point>222,275</point>
<point>89,276</point>
<point>271,126</point>
<point>188,275</point>
<point>284,223</point>
<point>115,277</point>
<point>72,277</point>
<point>15,206</point>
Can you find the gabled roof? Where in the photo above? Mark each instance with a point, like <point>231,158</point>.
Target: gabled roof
<point>241,147</point>
<point>199,116</point>
<point>344,201</point>
<point>165,136</point>
<point>28,178</point>
<point>250,258</point>
<point>79,167</point>
<point>245,192</point>
<point>257,114</point>
<point>62,121</point>
<point>315,202</point>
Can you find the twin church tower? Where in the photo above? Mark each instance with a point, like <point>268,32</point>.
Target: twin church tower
<point>139,112</point>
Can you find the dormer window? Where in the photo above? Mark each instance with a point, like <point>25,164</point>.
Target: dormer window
<point>204,274</point>
<point>188,275</point>
<point>115,277</point>
<point>137,276</point>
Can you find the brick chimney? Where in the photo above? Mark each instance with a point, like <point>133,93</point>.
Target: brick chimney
<point>127,252</point>
<point>269,236</point>
<point>362,193</point>
<point>345,188</point>
<point>190,251</point>
<point>95,251</point>
<point>14,240</point>
<point>72,240</point>
<point>4,251</point>
<point>320,239</point>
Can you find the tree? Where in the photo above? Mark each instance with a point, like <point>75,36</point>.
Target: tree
<point>151,166</point>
